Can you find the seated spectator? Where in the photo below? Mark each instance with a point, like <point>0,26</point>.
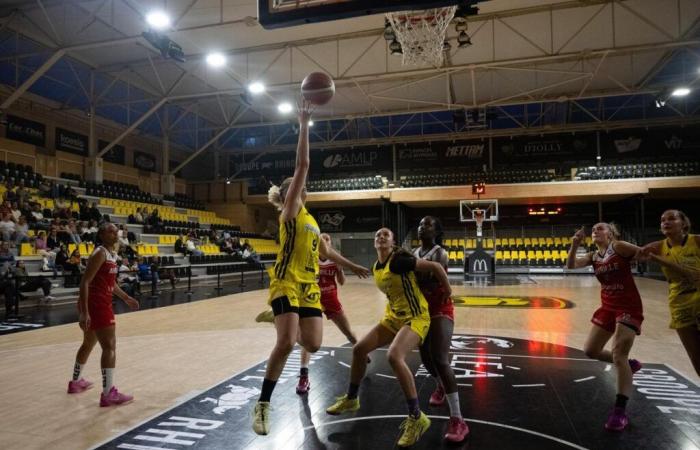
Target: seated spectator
<point>145,272</point>
<point>95,213</point>
<point>192,248</point>
<point>21,230</point>
<point>6,256</point>
<point>121,236</point>
<point>72,267</point>
<point>45,188</point>
<point>53,242</point>
<point>7,227</point>
<point>15,212</point>
<point>138,217</point>
<point>10,195</point>
<point>179,245</point>
<point>22,194</point>
<point>73,233</point>
<point>90,233</point>
<point>30,284</point>
<point>83,210</point>
<point>128,279</point>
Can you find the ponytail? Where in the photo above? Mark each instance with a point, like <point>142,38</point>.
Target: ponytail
<point>275,197</point>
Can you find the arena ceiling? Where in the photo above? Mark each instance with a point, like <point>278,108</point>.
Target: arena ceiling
<point>533,65</point>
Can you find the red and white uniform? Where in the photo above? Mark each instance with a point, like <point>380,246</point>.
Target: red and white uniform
<point>618,293</point>
<point>430,286</point>
<point>100,291</point>
<point>327,271</point>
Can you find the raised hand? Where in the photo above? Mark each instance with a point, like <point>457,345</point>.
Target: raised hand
<point>360,271</point>
<point>579,236</point>
<point>304,110</point>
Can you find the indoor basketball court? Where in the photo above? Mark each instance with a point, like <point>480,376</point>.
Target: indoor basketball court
<point>168,171</point>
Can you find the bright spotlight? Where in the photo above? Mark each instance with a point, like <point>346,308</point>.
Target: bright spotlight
<point>681,92</point>
<point>216,59</point>
<point>158,20</point>
<point>284,108</point>
<point>311,123</point>
<point>256,87</point>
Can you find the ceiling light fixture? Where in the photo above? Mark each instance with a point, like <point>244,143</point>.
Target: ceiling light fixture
<point>158,20</point>
<point>284,108</point>
<point>256,87</point>
<point>216,59</point>
<point>680,92</point>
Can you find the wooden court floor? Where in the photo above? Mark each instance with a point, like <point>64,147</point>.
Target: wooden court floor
<point>166,354</point>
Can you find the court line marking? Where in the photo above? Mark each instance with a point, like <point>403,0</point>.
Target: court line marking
<point>385,376</point>
<point>584,379</point>
<point>528,385</point>
<point>464,384</point>
<point>485,422</point>
<point>461,352</point>
<point>513,367</point>
<point>175,405</point>
<point>608,367</point>
<point>344,364</point>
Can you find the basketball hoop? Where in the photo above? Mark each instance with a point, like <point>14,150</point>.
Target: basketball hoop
<point>478,215</point>
<point>421,34</point>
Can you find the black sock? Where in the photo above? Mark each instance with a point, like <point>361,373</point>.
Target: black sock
<point>304,372</point>
<point>267,388</point>
<point>413,407</point>
<point>621,401</point>
<point>352,390</point>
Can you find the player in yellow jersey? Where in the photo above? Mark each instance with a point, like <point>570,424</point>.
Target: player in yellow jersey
<point>405,324</point>
<point>294,292</point>
<point>679,256</point>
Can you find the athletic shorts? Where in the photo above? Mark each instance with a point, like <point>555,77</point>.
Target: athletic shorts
<point>607,319</point>
<point>101,314</point>
<point>685,312</point>
<point>301,298</point>
<point>419,324</point>
<point>330,304</point>
<point>439,309</point>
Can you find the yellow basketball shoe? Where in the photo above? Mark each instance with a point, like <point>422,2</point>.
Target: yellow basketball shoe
<point>413,429</point>
<point>261,418</point>
<point>344,404</point>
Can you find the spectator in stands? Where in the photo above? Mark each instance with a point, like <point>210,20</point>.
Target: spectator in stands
<point>53,241</point>
<point>5,208</point>
<point>15,212</point>
<point>6,256</point>
<point>128,280</point>
<point>95,213</point>
<point>226,246</point>
<point>83,209</point>
<point>73,268</point>
<point>121,236</point>
<point>179,244</point>
<point>90,233</point>
<point>10,195</point>
<point>21,230</point>
<point>22,194</point>
<point>138,218</point>
<point>145,272</point>
<point>25,283</point>
<point>192,248</point>
<point>7,227</point>
<point>7,288</point>
<point>45,188</point>
<point>70,193</point>
<point>73,232</point>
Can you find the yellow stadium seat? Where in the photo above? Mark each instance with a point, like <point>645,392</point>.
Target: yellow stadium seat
<point>71,248</point>
<point>26,249</point>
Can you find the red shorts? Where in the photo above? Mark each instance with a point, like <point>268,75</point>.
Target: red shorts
<point>437,308</point>
<point>607,319</point>
<point>101,314</point>
<point>330,304</point>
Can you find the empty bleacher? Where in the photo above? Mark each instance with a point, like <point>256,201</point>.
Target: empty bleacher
<point>345,184</point>
<point>641,170</point>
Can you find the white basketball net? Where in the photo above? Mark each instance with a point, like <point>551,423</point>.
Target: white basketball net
<point>421,34</point>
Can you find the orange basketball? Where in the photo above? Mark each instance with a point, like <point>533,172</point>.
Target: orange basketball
<point>318,88</point>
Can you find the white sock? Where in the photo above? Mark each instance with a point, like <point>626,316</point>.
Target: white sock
<point>77,370</point>
<point>107,380</point>
<point>453,402</point>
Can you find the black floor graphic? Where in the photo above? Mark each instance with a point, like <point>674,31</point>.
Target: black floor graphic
<point>515,394</point>
<point>497,280</point>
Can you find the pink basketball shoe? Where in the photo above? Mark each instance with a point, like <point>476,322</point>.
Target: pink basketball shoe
<point>114,398</point>
<point>78,386</point>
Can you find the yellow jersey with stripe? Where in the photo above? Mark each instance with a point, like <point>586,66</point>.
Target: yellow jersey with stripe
<point>297,260</point>
<point>397,280</point>
<point>680,289</point>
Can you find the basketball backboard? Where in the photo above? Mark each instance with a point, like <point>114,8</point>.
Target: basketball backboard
<point>286,13</point>
<point>472,210</point>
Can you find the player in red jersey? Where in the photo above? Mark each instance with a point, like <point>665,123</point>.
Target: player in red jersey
<point>620,315</point>
<point>435,350</point>
<point>330,275</point>
<point>96,317</point>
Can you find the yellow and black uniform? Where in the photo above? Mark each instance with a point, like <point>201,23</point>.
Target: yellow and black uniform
<point>406,306</point>
<point>683,295</point>
<point>294,278</point>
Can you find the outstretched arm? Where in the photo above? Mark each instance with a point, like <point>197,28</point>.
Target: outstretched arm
<point>327,252</point>
<point>572,262</point>
<point>292,202</point>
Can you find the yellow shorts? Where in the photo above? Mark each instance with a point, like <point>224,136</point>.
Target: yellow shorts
<point>687,314</point>
<point>299,295</point>
<point>419,324</point>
